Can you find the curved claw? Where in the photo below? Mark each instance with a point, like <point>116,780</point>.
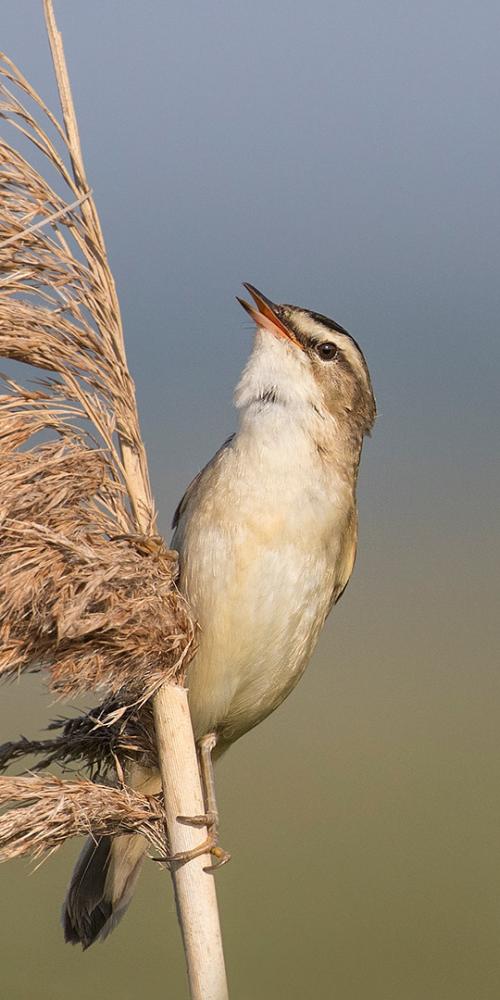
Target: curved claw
<point>208,846</point>
<point>222,859</point>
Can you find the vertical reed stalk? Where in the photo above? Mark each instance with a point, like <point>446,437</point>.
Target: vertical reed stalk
<point>194,888</point>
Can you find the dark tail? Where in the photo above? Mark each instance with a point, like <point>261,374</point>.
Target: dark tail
<point>101,887</point>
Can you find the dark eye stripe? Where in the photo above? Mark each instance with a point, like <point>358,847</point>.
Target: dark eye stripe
<point>329,323</point>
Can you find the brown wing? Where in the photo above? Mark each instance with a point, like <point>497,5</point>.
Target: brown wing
<point>347,558</point>
<point>181,506</point>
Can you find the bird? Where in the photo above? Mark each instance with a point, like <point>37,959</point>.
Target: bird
<point>266,535</point>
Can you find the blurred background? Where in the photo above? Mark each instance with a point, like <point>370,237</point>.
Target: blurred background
<point>342,156</point>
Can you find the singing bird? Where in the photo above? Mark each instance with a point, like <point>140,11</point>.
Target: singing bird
<point>266,535</point>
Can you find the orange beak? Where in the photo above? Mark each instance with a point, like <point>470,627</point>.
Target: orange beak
<point>265,315</point>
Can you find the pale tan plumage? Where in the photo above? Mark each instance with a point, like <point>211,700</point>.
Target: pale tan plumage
<point>267,536</point>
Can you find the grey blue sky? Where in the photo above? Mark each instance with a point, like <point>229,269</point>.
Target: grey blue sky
<point>342,156</point>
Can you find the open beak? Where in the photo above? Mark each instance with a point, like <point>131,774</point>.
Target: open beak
<point>265,315</point>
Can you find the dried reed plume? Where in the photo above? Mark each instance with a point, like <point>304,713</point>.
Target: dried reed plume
<point>82,593</point>
<point>87,589</point>
<point>43,812</point>
<point>103,742</point>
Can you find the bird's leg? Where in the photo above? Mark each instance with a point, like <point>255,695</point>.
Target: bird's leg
<point>210,818</point>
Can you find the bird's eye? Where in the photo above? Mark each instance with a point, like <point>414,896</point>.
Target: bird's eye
<point>327,351</point>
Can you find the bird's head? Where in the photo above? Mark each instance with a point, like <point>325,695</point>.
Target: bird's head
<point>303,358</point>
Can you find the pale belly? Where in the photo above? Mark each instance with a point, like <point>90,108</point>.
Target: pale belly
<point>260,542</point>
<point>260,609</point>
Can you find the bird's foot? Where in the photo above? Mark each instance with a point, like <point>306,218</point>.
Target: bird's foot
<point>208,846</point>
<point>208,819</point>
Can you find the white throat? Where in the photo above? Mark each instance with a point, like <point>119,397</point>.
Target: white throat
<point>275,367</point>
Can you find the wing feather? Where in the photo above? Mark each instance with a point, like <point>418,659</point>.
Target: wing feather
<point>347,558</point>
<point>184,502</point>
